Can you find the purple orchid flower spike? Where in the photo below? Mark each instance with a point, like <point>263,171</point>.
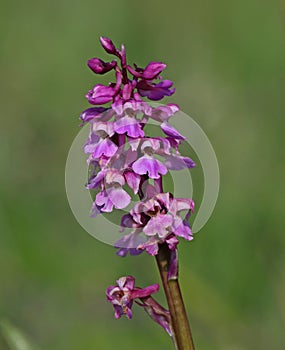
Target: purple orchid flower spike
<point>126,164</point>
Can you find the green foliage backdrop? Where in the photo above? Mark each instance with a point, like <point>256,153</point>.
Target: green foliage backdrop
<point>227,59</point>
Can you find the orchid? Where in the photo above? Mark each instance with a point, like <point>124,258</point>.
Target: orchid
<point>123,158</point>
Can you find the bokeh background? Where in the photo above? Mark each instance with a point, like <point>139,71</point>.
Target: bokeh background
<point>227,59</point>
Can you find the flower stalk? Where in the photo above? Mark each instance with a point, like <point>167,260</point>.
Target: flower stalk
<point>182,336</point>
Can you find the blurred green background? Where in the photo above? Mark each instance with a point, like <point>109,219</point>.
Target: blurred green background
<point>227,59</point>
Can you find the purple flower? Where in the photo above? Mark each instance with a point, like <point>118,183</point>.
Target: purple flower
<point>100,94</point>
<point>147,164</point>
<point>170,131</point>
<point>153,91</point>
<point>124,293</point>
<point>129,243</point>
<point>99,142</point>
<point>112,194</point>
<point>128,125</point>
<point>141,84</point>
<point>163,113</point>
<point>151,71</point>
<point>98,66</point>
<point>108,45</point>
<point>133,180</point>
<point>160,219</point>
<point>121,154</point>
<point>94,113</point>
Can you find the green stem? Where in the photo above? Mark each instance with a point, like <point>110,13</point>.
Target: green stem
<point>181,330</point>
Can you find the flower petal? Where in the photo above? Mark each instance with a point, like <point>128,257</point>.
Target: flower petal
<point>170,131</point>
<point>158,225</point>
<point>133,180</point>
<point>105,147</point>
<point>119,198</point>
<point>151,166</point>
<point>130,126</point>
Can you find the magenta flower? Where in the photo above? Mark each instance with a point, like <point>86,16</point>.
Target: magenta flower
<point>124,293</point>
<point>112,194</point>
<point>147,164</point>
<point>108,45</point>
<point>100,67</point>
<point>154,91</point>
<point>161,220</point>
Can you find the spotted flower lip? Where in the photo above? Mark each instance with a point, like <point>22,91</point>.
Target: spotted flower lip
<point>124,293</point>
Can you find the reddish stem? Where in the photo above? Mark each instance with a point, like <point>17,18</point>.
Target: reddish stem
<point>179,322</point>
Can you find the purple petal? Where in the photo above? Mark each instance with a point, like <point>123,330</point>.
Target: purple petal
<point>152,249</point>
<point>92,113</point>
<point>145,292</point>
<point>127,91</point>
<point>163,113</point>
<point>152,143</point>
<point>184,230</point>
<point>158,225</point>
<point>100,94</point>
<point>128,125</point>
<point>114,176</point>
<point>102,200</point>
<point>119,198</point>
<point>105,147</point>
<point>133,180</point>
<point>126,282</point>
<point>158,313</point>
<point>134,72</point>
<point>96,181</point>
<point>118,107</point>
<point>127,221</point>
<point>129,243</point>
<point>91,143</point>
<point>95,211</point>
<point>172,242</point>
<point>118,311</point>
<point>151,166</point>
<point>155,92</point>
<point>100,67</point>
<point>153,69</point>
<point>166,84</point>
<point>185,204</point>
<point>108,45</point>
<point>129,313</point>
<point>174,162</point>
<point>170,131</point>
<point>150,246</point>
